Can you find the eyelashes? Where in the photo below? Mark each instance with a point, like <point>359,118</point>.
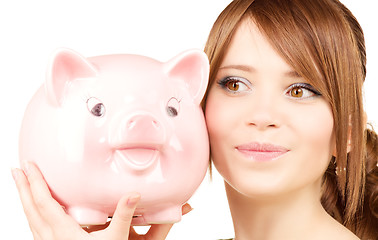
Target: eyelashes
<point>238,85</point>
<point>302,90</point>
<point>235,84</point>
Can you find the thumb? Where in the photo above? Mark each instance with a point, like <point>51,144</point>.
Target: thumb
<point>123,215</point>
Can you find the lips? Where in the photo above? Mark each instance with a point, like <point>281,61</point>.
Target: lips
<point>261,152</point>
<point>136,157</point>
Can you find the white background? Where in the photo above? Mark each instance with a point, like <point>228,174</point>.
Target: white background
<point>31,30</point>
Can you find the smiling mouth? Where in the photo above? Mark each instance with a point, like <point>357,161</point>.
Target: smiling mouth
<point>261,156</point>
<point>137,158</point>
<point>261,152</point>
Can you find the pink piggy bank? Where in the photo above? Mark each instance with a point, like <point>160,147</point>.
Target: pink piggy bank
<point>105,126</point>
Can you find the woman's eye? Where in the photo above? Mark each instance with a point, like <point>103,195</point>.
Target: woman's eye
<point>297,92</point>
<point>234,85</point>
<point>302,91</point>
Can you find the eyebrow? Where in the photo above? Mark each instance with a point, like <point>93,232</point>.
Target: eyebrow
<point>247,68</point>
<point>293,74</point>
<point>244,68</point>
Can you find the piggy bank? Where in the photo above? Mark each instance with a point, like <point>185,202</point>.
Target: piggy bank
<point>105,126</point>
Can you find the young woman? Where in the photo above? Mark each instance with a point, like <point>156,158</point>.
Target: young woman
<point>286,124</point>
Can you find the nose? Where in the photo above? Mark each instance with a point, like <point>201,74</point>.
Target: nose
<point>264,113</point>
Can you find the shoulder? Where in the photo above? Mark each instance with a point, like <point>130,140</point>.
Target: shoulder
<point>335,230</point>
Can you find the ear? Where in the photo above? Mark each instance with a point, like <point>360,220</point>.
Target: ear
<point>192,67</point>
<point>65,66</point>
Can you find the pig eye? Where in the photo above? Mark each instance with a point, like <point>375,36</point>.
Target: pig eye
<point>96,107</point>
<point>173,107</point>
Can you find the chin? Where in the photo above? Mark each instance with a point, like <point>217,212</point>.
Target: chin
<point>253,184</point>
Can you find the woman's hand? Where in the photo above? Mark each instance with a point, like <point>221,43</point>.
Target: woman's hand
<point>48,220</point>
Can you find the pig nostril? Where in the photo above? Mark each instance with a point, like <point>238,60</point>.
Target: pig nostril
<point>142,122</point>
<point>156,124</point>
<point>130,124</point>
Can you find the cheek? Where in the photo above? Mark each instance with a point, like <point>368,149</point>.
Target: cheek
<point>215,117</point>
<point>315,130</point>
<point>219,125</point>
<point>322,130</point>
<point>222,117</point>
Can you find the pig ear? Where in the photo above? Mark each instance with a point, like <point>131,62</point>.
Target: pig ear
<point>65,66</point>
<point>192,67</point>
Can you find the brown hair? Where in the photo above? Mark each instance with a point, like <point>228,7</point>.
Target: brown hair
<point>324,43</point>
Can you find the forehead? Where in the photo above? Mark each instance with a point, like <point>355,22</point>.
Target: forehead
<point>250,47</point>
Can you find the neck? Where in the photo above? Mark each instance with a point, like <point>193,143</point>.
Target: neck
<point>289,216</point>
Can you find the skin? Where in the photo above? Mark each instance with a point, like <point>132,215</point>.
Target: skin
<point>255,98</point>
<point>48,220</point>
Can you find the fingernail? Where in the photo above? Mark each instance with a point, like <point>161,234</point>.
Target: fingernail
<point>27,168</point>
<point>133,200</point>
<point>15,174</point>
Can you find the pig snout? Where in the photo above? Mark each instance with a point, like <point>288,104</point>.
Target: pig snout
<point>143,129</point>
<point>141,139</point>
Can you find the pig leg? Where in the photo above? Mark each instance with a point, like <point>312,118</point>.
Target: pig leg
<point>168,215</point>
<point>87,216</point>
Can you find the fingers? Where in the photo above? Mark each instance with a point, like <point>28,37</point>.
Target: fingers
<point>45,215</point>
<point>47,218</point>
<point>158,231</point>
<point>121,221</point>
<point>186,208</point>
<point>46,205</point>
<point>96,228</point>
<point>27,201</point>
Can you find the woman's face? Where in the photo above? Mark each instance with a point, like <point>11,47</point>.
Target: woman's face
<point>270,131</point>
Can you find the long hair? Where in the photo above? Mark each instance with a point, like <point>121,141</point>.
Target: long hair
<point>323,42</point>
